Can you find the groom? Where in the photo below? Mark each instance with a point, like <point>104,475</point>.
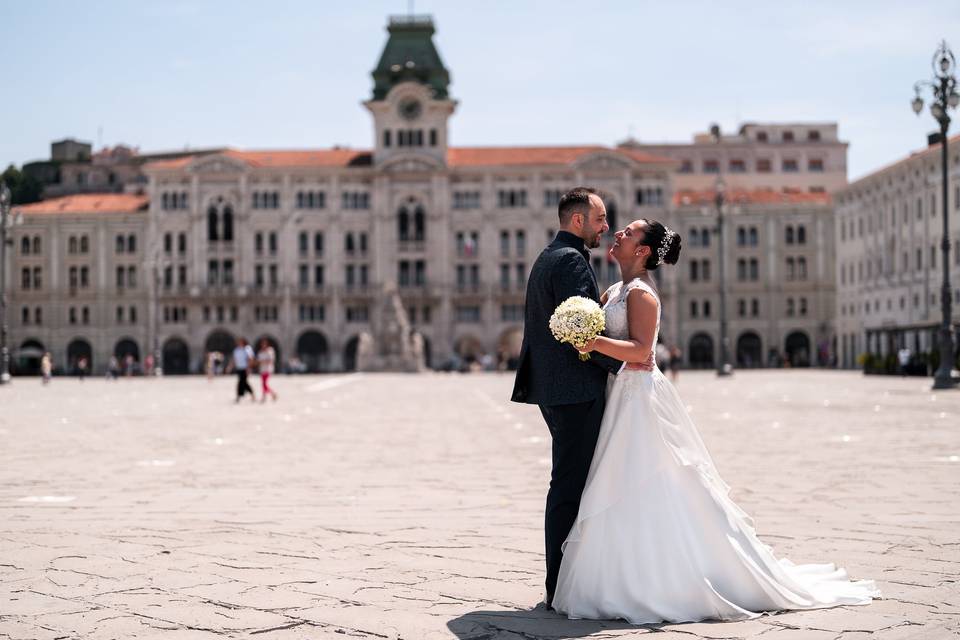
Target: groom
<point>571,393</point>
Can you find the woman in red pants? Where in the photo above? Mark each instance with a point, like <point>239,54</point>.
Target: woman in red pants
<point>266,360</point>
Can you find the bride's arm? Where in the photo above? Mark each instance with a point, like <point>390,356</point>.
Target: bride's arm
<point>642,320</point>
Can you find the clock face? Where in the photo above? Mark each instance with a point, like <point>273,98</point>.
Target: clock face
<point>410,109</point>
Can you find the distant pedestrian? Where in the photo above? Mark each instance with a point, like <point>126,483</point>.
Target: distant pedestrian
<point>113,368</point>
<point>128,365</point>
<point>903,358</point>
<point>266,364</point>
<point>82,365</point>
<point>243,359</point>
<point>46,367</point>
<point>676,359</point>
<point>148,365</point>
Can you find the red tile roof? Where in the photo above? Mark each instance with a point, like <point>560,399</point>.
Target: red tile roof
<point>456,157</point>
<point>87,203</point>
<point>515,156</point>
<point>280,158</point>
<point>741,196</point>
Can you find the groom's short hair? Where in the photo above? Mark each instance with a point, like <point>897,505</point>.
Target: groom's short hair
<point>577,200</point>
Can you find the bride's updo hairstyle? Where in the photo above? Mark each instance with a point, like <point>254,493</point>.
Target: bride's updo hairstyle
<point>664,244</point>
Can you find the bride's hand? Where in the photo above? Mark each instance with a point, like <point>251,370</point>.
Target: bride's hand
<point>588,347</point>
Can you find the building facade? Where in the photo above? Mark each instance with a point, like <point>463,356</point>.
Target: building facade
<point>307,248</point>
<point>77,283</point>
<point>889,227</point>
<point>779,247</point>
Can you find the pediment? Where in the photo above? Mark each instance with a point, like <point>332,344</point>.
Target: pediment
<point>603,161</point>
<point>411,164</point>
<point>217,164</point>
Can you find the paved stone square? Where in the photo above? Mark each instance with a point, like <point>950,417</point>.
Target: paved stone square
<point>410,506</point>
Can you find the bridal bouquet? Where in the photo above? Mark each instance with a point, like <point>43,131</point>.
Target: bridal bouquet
<point>577,320</point>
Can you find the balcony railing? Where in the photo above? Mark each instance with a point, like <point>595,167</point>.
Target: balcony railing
<point>412,246</point>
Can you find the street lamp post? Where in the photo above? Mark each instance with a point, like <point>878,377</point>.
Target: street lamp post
<point>945,97</point>
<point>6,221</point>
<point>724,368</point>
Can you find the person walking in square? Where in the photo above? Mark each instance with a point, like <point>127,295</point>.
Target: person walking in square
<point>243,359</point>
<point>266,364</point>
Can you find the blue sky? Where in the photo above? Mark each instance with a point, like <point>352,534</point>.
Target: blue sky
<point>291,74</point>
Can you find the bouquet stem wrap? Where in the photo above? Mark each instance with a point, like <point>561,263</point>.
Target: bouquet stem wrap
<point>577,321</point>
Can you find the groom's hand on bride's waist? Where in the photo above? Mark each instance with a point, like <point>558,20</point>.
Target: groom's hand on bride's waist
<point>648,365</point>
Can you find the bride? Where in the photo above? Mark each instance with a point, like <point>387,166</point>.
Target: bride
<point>657,537</point>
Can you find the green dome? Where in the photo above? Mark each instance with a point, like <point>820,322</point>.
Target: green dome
<point>410,55</point>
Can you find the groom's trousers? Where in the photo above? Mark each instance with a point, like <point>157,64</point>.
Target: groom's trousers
<point>574,429</point>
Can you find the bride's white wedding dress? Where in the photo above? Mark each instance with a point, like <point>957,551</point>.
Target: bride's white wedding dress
<point>657,537</point>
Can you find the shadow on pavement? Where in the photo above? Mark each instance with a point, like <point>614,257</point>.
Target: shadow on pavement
<point>529,623</point>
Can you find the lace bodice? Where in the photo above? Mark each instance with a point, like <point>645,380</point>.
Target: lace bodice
<point>616,309</point>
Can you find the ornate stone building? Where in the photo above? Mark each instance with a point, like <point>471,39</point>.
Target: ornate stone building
<point>78,284</point>
<point>889,226</point>
<point>302,247</point>
<point>779,243</point>
<point>309,248</point>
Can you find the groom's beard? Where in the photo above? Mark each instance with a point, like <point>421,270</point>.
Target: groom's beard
<point>594,242</point>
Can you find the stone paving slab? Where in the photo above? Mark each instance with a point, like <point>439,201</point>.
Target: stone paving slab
<point>394,506</point>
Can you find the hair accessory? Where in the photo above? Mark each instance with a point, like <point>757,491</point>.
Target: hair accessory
<point>668,234</point>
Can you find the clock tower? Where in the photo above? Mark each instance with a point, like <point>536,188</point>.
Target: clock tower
<point>410,103</point>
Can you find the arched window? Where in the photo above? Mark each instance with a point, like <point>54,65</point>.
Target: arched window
<point>611,217</point>
<point>183,199</point>
<point>36,245</point>
<point>84,244</point>
<point>213,232</point>
<point>419,225</point>
<point>741,236</point>
<point>753,237</point>
<point>120,244</point>
<point>694,237</point>
<point>131,243</point>
<point>72,244</point>
<point>403,224</point>
<point>801,235</point>
<point>789,234</point>
<point>165,201</point>
<point>228,224</point>
<point>25,245</point>
<point>299,199</point>
<point>348,242</point>
<point>705,237</point>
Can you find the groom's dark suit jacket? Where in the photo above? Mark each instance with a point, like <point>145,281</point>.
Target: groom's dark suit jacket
<point>550,372</point>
